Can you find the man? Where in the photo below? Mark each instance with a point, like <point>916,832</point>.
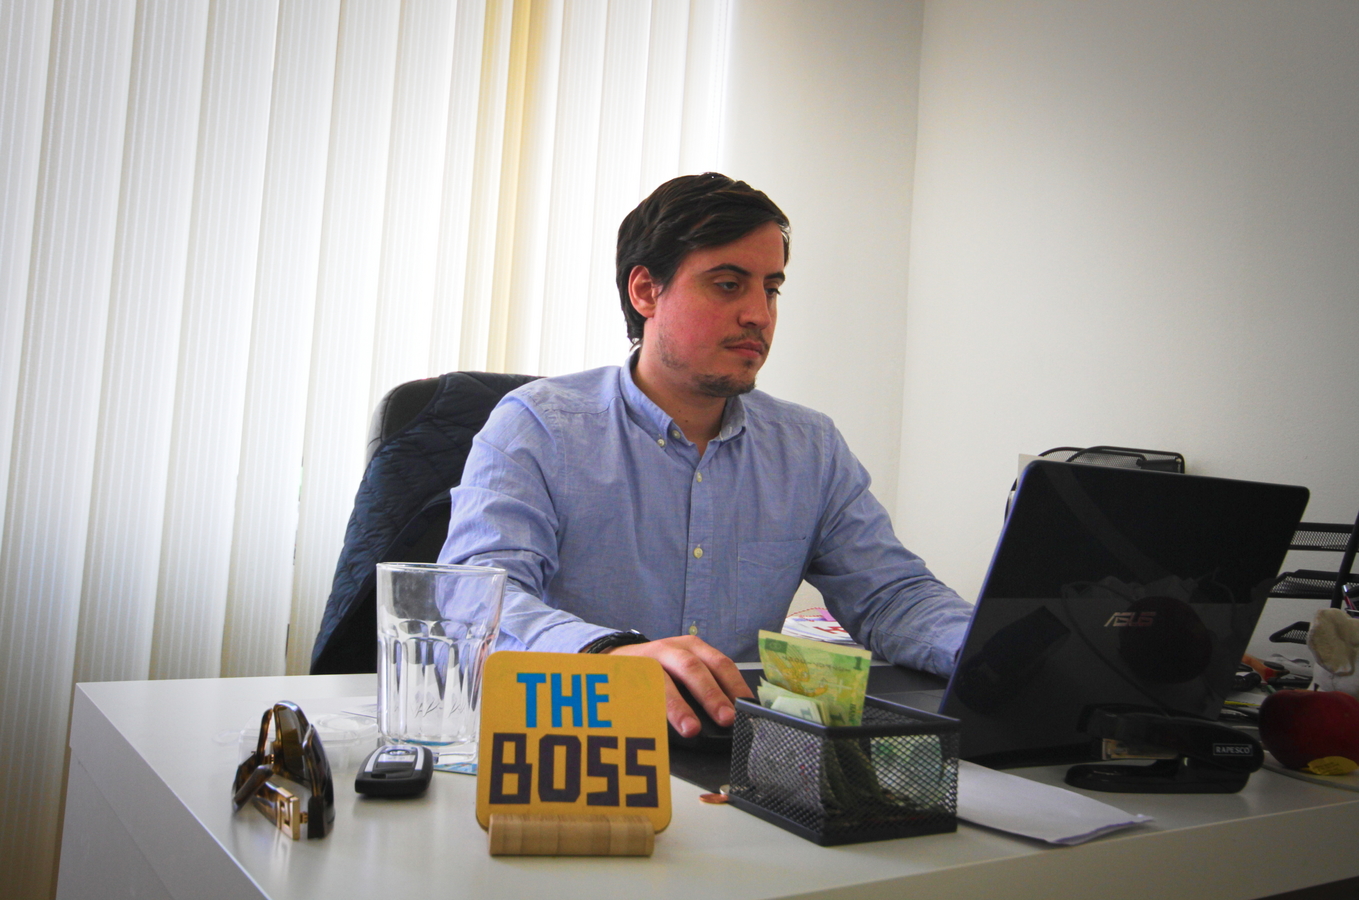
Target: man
<point>665,508</point>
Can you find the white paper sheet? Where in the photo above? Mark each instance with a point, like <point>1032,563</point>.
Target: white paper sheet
<point>1027,808</point>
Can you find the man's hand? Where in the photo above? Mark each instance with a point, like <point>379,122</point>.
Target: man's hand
<point>710,676</point>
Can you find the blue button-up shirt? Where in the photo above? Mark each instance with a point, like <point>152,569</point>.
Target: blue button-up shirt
<point>607,519</point>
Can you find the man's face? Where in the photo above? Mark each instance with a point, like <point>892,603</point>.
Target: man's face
<point>710,328</point>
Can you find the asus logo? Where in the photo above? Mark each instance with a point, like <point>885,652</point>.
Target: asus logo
<point>1131,620</point>
<point>1233,750</point>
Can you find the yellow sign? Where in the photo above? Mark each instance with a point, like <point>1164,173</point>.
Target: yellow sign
<point>573,734</point>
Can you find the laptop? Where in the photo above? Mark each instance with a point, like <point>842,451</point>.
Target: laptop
<point>1110,587</point>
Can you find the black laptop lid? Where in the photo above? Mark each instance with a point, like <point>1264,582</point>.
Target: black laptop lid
<point>1113,587</point>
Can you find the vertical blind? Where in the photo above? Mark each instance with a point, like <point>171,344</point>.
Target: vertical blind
<point>227,227</point>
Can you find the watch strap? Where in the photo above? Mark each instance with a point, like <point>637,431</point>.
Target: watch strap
<point>607,642</point>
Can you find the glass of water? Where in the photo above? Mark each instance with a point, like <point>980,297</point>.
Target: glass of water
<point>436,626</point>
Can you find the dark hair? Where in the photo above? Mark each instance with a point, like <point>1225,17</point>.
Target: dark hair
<point>684,214</point>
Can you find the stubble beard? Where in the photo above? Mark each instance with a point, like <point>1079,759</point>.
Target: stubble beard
<point>723,386</point>
<point>720,386</point>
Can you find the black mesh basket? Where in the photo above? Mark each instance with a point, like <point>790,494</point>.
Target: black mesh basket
<point>896,775</point>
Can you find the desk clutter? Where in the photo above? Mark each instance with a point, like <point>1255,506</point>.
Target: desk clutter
<point>1029,809</point>
<point>302,799</point>
<point>819,759</point>
<point>401,847</point>
<point>1313,734</point>
<point>1313,731</point>
<point>1334,642</point>
<point>893,775</point>
<point>856,786</point>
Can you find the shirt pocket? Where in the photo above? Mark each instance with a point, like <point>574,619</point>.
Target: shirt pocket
<point>768,574</point>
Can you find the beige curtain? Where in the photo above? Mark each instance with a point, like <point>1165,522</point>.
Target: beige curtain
<point>226,228</point>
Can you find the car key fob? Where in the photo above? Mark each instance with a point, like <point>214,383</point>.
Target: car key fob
<point>395,770</point>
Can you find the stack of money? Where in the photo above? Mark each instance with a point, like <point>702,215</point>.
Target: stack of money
<point>819,682</point>
<point>837,781</point>
<point>825,684</point>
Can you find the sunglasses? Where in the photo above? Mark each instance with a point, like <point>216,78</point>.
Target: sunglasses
<point>295,754</point>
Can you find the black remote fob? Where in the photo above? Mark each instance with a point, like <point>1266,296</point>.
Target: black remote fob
<point>395,770</point>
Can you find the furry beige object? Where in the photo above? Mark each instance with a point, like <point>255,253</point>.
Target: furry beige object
<point>1334,642</point>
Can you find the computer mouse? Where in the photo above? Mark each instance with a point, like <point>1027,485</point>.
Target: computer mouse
<point>711,737</point>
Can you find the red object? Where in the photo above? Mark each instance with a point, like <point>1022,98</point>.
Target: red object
<point>1263,669</point>
<point>1300,726</point>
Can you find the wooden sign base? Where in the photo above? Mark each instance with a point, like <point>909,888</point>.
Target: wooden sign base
<point>546,835</point>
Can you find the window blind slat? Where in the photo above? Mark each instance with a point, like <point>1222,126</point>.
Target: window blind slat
<point>25,40</point>
<point>56,415</point>
<point>228,227</point>
<point>569,219</point>
<point>260,586</point>
<point>618,170</point>
<point>224,234</point>
<point>146,302</point>
<point>415,173</point>
<point>485,211</point>
<point>456,201</point>
<point>346,305</point>
<point>520,262</point>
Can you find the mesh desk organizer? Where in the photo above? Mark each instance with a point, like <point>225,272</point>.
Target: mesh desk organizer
<point>1311,584</point>
<point>1106,455</point>
<point>894,776</point>
<point>1120,457</point>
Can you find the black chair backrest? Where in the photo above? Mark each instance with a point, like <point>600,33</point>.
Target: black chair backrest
<point>422,432</point>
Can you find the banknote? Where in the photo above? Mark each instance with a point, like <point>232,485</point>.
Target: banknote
<point>835,676</point>
<point>775,697</point>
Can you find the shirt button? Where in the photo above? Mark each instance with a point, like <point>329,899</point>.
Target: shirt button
<point>698,552</point>
<point>698,476</point>
<point>674,433</point>
<point>693,629</point>
<point>660,442</point>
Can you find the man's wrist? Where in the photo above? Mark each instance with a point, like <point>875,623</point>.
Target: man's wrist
<point>608,642</point>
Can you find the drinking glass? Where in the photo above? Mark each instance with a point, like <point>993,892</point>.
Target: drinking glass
<point>436,626</point>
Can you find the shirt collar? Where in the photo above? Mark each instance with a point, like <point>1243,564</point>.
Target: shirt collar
<point>654,419</point>
<point>733,419</point>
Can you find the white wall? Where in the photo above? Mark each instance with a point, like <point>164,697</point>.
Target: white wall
<point>1137,224</point>
<point>1125,223</point>
<point>821,116</point>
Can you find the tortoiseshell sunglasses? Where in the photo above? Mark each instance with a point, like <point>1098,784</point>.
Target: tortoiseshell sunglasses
<point>297,755</point>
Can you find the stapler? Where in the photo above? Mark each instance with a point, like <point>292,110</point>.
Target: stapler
<point>1191,756</point>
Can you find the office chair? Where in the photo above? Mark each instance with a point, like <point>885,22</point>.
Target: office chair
<point>417,446</point>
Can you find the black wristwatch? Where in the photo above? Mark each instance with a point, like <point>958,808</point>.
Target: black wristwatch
<point>617,639</point>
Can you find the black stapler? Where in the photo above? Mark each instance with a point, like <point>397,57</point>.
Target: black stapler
<point>1192,756</point>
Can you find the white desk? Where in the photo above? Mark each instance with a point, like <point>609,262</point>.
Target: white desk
<point>148,815</point>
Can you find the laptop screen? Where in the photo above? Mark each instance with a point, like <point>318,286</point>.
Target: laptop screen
<point>1114,587</point>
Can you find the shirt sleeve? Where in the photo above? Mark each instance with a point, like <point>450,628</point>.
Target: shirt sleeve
<point>502,515</point>
<point>882,593</point>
